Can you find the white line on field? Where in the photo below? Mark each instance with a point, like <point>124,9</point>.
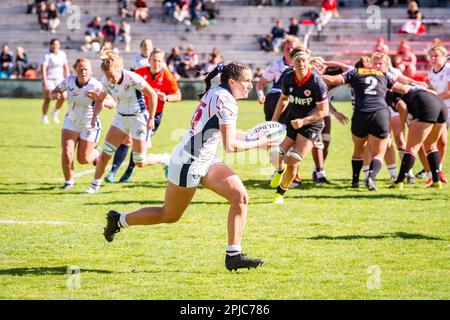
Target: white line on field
<point>33,222</point>
<point>83,173</point>
<point>45,222</point>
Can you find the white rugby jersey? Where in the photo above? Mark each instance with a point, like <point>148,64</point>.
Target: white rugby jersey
<point>80,106</point>
<point>440,81</point>
<point>139,61</point>
<point>217,107</point>
<point>55,64</point>
<point>273,73</point>
<point>127,93</point>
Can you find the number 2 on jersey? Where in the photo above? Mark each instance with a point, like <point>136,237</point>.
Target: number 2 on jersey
<point>372,82</point>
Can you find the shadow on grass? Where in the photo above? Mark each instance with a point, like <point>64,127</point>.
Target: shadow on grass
<point>44,271</point>
<point>27,146</point>
<point>51,271</point>
<point>401,235</point>
<point>149,202</point>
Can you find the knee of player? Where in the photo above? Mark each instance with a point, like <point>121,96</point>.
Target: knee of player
<point>240,197</point>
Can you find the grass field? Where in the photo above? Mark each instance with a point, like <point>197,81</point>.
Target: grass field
<point>325,242</point>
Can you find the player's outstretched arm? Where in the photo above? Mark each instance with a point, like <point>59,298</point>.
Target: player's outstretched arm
<point>231,142</point>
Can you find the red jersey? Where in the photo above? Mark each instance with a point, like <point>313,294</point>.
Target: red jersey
<point>329,5</point>
<point>163,81</point>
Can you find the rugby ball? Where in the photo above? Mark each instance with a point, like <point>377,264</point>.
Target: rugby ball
<point>275,132</point>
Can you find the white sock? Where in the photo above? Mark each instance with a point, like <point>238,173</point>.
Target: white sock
<point>440,167</point>
<point>392,170</point>
<point>55,113</point>
<point>365,170</point>
<point>71,182</point>
<point>96,183</point>
<point>123,220</point>
<point>430,176</point>
<point>411,173</point>
<point>233,250</point>
<point>320,174</point>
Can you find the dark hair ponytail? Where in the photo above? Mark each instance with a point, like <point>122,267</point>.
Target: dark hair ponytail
<point>232,70</point>
<point>218,69</point>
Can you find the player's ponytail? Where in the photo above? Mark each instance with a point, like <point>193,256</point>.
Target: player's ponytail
<point>232,70</point>
<point>217,70</point>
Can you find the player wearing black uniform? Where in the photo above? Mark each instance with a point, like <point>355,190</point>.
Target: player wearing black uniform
<point>370,120</point>
<point>305,94</point>
<point>429,115</point>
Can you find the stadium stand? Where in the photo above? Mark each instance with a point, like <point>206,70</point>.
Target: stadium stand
<point>235,32</point>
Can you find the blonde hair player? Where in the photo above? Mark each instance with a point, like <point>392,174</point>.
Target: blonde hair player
<point>128,89</point>
<point>82,91</point>
<point>194,162</point>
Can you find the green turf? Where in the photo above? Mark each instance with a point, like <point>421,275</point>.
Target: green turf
<point>323,243</point>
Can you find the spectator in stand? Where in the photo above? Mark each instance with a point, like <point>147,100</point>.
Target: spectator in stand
<point>278,34</point>
<point>293,27</point>
<point>173,60</point>
<point>22,63</point>
<point>141,11</point>
<point>181,13</point>
<point>414,25</point>
<point>122,9</point>
<point>189,67</point>
<point>258,74</point>
<point>53,20</point>
<point>109,32</point>
<point>42,14</point>
<point>405,60</point>
<point>195,9</point>
<point>93,36</point>
<point>381,46</point>
<point>6,63</point>
<point>213,61</point>
<point>168,8</point>
<point>141,59</point>
<point>211,10</point>
<point>218,54</point>
<point>266,43</point>
<point>328,10</point>
<point>125,34</point>
<point>63,6</point>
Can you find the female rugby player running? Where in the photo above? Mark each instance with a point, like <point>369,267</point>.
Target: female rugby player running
<point>82,91</point>
<point>128,89</point>
<point>194,162</point>
<point>305,94</point>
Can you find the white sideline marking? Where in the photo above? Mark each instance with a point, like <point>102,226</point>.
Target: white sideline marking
<point>45,222</point>
<point>33,222</point>
<point>83,173</point>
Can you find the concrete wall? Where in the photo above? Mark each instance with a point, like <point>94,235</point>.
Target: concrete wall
<point>11,88</point>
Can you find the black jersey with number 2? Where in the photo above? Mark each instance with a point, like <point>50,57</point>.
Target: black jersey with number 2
<point>369,86</point>
<point>303,95</point>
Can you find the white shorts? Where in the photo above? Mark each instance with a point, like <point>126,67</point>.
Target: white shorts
<point>136,124</point>
<point>52,84</point>
<point>84,129</point>
<point>187,172</point>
